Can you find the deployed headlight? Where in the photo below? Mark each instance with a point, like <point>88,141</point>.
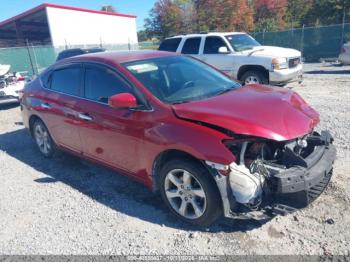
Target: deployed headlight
<point>279,63</point>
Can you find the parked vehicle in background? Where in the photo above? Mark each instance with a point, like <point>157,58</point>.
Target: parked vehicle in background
<point>344,56</point>
<point>10,84</point>
<point>240,56</point>
<point>209,146</point>
<point>78,51</point>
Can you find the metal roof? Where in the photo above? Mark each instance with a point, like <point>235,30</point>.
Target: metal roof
<point>45,5</point>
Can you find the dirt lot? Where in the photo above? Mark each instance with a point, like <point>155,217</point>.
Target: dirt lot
<point>70,206</point>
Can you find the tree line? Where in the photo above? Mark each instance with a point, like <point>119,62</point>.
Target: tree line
<point>172,17</point>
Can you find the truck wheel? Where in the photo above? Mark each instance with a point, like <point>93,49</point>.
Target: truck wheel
<point>254,77</point>
<point>190,193</point>
<point>43,139</point>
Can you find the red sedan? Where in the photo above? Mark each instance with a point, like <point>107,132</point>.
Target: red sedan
<point>184,129</point>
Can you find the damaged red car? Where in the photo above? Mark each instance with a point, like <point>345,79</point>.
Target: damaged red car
<point>209,146</point>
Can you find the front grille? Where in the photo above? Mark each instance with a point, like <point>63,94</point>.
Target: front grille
<point>294,62</point>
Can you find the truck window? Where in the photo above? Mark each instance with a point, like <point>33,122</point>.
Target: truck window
<point>170,45</point>
<point>212,45</point>
<point>191,46</point>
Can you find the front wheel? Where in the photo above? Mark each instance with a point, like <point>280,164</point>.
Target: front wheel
<point>190,193</point>
<point>254,77</point>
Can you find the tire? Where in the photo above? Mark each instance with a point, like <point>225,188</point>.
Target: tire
<point>254,77</point>
<point>43,139</point>
<point>199,191</point>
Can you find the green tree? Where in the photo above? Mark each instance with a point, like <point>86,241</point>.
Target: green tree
<point>164,19</point>
<point>327,12</point>
<point>142,35</point>
<point>266,24</point>
<point>270,14</point>
<point>296,12</point>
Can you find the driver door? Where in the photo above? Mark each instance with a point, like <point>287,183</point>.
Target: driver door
<point>112,136</point>
<point>211,55</point>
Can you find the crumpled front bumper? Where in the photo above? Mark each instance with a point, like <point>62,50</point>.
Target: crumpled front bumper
<point>299,186</point>
<point>289,190</point>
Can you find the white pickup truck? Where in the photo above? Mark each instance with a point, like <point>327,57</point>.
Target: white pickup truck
<point>240,56</point>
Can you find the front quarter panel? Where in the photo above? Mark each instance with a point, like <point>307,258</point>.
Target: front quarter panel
<point>199,141</point>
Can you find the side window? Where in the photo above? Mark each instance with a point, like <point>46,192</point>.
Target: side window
<point>191,46</point>
<point>102,83</point>
<point>212,44</point>
<point>67,80</point>
<point>170,45</point>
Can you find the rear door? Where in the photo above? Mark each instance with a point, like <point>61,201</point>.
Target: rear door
<point>59,105</point>
<point>109,135</point>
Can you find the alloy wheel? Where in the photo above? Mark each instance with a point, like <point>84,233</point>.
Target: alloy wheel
<point>42,139</point>
<point>252,80</point>
<point>185,194</point>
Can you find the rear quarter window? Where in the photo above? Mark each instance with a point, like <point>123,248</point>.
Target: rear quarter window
<point>170,45</point>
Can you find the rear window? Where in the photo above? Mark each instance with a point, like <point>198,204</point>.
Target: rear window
<point>170,45</point>
<point>191,46</point>
<point>70,53</point>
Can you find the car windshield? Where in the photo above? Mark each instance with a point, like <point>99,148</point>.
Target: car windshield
<point>241,42</point>
<point>180,79</point>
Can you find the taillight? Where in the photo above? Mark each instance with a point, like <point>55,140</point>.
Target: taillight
<point>21,78</point>
<point>342,50</point>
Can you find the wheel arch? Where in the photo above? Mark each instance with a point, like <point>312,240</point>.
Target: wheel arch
<point>243,69</point>
<point>168,155</point>
<point>32,120</point>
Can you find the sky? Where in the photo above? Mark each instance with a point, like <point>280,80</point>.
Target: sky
<point>140,8</point>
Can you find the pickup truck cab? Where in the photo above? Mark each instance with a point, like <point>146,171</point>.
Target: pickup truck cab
<point>240,56</point>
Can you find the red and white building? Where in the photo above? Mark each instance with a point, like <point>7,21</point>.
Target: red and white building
<point>61,26</point>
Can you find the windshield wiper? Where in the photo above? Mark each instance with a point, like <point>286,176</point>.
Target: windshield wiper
<point>180,102</point>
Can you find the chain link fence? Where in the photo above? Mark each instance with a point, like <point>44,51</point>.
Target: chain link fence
<point>31,60</point>
<point>315,43</point>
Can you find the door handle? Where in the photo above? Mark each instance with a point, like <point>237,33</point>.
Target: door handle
<point>46,106</point>
<point>85,117</point>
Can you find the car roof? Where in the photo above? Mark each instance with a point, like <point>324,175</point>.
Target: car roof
<point>120,57</point>
<point>210,34</point>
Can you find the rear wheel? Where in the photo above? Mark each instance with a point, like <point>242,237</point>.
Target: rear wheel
<point>43,139</point>
<point>254,77</point>
<point>190,193</point>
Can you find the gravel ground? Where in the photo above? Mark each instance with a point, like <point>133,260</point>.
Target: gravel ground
<point>69,206</point>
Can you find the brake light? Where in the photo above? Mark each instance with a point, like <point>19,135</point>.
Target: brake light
<point>21,78</point>
<point>342,50</point>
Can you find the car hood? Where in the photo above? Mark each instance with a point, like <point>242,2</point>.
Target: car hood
<point>256,110</point>
<point>273,52</point>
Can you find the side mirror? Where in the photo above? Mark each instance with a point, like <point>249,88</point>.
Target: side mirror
<point>122,101</point>
<point>223,50</point>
